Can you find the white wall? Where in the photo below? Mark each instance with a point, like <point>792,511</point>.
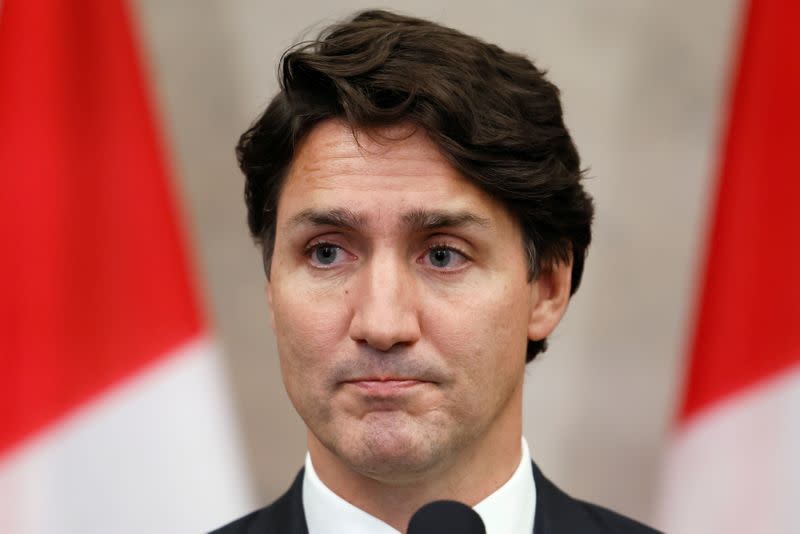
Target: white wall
<point>643,86</point>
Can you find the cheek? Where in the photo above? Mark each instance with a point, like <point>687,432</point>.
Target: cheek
<point>308,327</point>
<point>509,320</point>
<point>484,329</point>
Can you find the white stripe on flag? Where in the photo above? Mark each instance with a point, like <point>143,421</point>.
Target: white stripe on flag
<point>736,468</point>
<point>158,453</point>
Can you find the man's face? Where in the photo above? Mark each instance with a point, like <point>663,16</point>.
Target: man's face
<point>400,302</point>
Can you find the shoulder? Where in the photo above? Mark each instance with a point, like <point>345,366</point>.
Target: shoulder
<point>608,521</point>
<point>284,516</point>
<point>557,512</point>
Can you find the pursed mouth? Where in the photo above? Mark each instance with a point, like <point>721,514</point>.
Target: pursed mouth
<point>386,379</point>
<point>385,386</point>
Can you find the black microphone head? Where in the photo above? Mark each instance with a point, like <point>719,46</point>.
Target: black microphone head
<point>446,517</point>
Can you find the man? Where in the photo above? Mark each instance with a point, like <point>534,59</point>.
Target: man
<point>419,205</point>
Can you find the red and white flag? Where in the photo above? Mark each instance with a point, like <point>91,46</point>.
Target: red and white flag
<point>113,416</point>
<point>734,462</point>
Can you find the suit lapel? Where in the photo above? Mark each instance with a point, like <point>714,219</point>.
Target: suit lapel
<point>289,516</point>
<point>557,512</point>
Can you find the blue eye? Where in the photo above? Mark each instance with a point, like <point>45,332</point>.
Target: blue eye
<point>440,257</point>
<point>445,258</point>
<point>325,254</point>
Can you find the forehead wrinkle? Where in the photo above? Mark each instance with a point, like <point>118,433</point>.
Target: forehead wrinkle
<point>319,161</point>
<point>323,171</point>
<point>348,161</point>
<point>337,141</point>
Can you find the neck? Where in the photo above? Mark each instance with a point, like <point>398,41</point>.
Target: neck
<point>471,474</point>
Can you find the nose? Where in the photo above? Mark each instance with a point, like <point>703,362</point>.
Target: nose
<point>385,305</point>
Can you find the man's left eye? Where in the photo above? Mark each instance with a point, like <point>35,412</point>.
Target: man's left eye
<point>445,258</point>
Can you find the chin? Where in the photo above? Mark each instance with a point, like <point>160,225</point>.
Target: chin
<point>391,452</point>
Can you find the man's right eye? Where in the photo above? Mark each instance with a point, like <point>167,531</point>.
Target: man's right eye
<point>325,254</point>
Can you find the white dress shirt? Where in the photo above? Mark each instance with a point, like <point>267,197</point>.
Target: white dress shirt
<point>509,510</point>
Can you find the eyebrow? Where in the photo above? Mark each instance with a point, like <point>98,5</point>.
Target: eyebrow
<point>422,219</point>
<point>338,217</point>
<point>415,220</point>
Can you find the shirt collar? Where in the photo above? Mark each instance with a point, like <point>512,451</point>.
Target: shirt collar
<point>509,510</point>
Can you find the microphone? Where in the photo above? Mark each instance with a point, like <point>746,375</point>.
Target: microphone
<point>446,517</point>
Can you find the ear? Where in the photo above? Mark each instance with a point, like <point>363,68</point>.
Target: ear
<point>549,299</point>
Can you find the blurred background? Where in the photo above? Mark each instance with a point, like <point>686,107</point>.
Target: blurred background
<point>644,86</point>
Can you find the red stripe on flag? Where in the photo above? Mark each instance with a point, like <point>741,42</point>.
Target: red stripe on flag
<point>748,326</point>
<point>94,279</point>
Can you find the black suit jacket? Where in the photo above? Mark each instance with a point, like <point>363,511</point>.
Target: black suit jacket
<point>556,513</point>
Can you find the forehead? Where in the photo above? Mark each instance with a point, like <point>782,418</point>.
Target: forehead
<point>380,174</point>
<point>334,147</point>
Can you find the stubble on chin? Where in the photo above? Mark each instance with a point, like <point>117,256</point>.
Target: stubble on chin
<point>392,447</point>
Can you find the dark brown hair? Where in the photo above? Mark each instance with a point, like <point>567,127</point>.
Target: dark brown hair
<point>491,112</point>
